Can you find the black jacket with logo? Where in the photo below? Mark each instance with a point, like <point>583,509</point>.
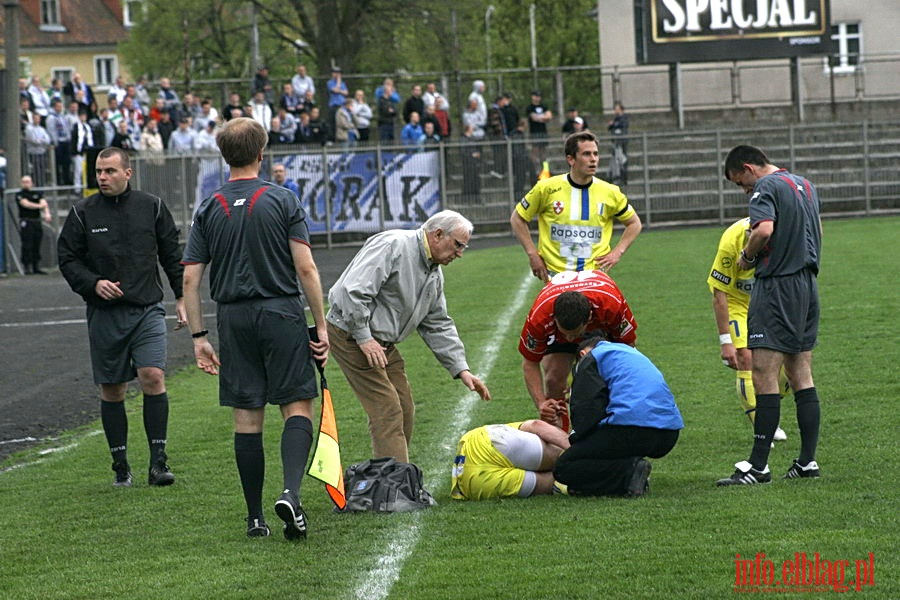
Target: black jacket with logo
<point>121,238</point>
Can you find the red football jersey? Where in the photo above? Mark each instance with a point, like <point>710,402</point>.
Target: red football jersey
<point>610,312</point>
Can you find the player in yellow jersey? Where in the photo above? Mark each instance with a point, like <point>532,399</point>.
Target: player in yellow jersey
<point>515,459</point>
<point>731,286</point>
<point>575,212</point>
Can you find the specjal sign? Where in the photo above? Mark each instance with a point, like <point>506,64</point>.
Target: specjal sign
<point>669,31</point>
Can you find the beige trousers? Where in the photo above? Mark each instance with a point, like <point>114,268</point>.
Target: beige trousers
<point>384,394</point>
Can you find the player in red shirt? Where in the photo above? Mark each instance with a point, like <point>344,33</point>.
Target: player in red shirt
<point>570,306</point>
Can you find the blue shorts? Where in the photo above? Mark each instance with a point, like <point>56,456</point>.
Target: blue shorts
<point>784,313</point>
<point>265,353</point>
<point>125,338</point>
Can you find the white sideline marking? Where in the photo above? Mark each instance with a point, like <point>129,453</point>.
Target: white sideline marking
<point>19,440</point>
<point>75,322</point>
<point>45,451</point>
<point>378,582</point>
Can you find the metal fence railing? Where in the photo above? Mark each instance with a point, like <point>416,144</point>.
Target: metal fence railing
<point>673,178</point>
<point>643,88</point>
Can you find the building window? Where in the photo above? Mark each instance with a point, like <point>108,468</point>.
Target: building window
<point>846,47</point>
<point>50,20</point>
<point>106,68</point>
<point>131,9</point>
<point>64,74</point>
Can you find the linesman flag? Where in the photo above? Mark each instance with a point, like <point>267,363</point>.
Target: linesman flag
<point>326,462</point>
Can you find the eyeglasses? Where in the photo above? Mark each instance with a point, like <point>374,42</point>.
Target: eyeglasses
<point>459,245</point>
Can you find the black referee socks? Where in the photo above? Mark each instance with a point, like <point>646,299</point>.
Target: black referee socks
<point>296,441</point>
<point>808,420</point>
<point>115,426</point>
<point>156,423</point>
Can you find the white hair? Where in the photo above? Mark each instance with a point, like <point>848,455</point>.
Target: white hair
<point>448,221</point>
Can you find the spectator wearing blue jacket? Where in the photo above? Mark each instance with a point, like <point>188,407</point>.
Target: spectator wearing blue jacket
<point>622,410</point>
<point>412,134</point>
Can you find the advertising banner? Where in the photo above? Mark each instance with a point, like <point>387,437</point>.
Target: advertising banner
<point>670,31</point>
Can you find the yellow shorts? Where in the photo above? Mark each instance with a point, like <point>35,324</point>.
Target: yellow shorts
<point>481,471</point>
<point>737,325</point>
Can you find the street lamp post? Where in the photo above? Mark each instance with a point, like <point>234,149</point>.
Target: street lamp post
<point>487,34</point>
<point>533,44</point>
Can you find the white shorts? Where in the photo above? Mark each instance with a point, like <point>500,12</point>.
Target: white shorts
<point>524,450</point>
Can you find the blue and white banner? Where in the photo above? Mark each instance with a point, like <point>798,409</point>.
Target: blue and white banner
<point>411,183</point>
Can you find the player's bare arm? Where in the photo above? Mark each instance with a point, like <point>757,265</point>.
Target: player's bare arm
<point>720,309</point>
<point>523,234</point>
<point>633,227</point>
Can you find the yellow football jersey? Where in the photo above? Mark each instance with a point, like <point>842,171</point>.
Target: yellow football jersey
<point>725,274</point>
<point>575,223</point>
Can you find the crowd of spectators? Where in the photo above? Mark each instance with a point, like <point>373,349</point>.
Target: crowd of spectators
<point>72,122</point>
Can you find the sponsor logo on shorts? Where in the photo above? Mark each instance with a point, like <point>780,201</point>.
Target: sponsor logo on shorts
<point>100,230</point>
<point>575,233</point>
<point>719,276</point>
<point>757,336</point>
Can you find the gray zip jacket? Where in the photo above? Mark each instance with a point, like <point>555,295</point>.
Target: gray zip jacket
<point>389,289</point>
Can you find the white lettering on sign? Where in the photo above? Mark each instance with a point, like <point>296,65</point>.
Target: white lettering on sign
<point>685,16</point>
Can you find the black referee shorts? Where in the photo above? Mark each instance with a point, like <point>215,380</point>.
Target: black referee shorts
<point>265,354</point>
<point>784,313</point>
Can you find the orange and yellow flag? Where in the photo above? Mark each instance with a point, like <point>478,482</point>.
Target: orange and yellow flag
<point>545,171</point>
<point>326,462</point>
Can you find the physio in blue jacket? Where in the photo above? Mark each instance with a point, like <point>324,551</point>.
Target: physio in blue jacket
<point>622,411</point>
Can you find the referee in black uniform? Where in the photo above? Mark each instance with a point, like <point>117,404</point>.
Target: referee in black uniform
<point>785,246</point>
<point>254,235</point>
<point>109,247</point>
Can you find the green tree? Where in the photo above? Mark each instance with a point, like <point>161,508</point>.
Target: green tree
<point>190,40</point>
<point>210,39</point>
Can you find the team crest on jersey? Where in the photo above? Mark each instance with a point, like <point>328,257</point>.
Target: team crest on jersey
<point>558,206</point>
<point>726,262</point>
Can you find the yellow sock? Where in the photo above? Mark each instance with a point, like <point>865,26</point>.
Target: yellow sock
<point>746,393</point>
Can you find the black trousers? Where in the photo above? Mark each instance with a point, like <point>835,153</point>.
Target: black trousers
<point>31,233</point>
<point>602,462</point>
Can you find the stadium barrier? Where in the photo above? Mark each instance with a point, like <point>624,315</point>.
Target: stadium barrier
<point>674,178</point>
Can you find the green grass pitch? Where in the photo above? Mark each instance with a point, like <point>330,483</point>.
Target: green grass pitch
<point>65,532</point>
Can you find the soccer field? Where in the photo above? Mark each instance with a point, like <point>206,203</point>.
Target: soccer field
<point>65,532</point>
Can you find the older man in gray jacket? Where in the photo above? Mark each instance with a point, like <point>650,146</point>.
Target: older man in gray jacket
<point>395,285</point>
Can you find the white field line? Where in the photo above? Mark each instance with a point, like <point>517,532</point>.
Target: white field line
<point>73,322</point>
<point>377,583</point>
<point>46,451</point>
